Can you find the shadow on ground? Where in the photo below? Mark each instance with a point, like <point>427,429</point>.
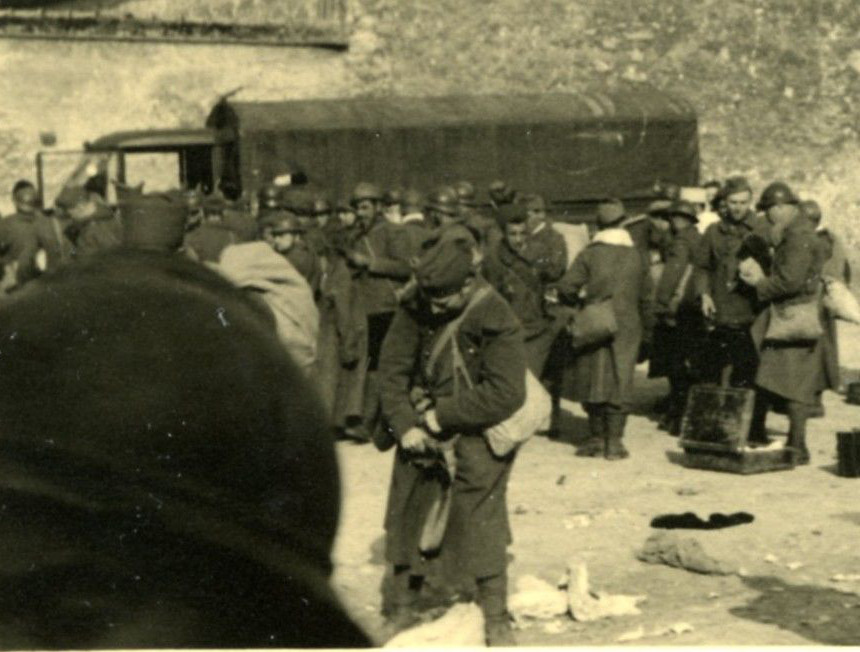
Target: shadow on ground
<point>817,613</point>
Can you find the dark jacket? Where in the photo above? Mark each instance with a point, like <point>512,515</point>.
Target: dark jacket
<point>23,235</point>
<point>546,251</point>
<point>717,258</point>
<point>795,371</point>
<point>609,268</point>
<point>207,241</point>
<point>384,243</point>
<point>490,340</point>
<point>678,259</point>
<point>517,280</point>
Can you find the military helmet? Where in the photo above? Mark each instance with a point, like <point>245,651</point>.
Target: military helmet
<point>393,197</point>
<point>465,193</point>
<point>269,196</point>
<point>776,193</point>
<point>365,190</point>
<point>683,208</point>
<point>444,200</point>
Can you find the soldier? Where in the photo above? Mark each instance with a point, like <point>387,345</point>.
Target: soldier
<point>205,242</point>
<point>609,270</point>
<point>677,335</point>
<point>27,231</point>
<point>283,233</point>
<point>438,420</point>
<point>730,305</point>
<point>378,260</point>
<point>415,226</point>
<point>792,371</point>
<point>775,194</point>
<point>154,222</point>
<point>487,229</point>
<point>94,226</point>
<point>392,205</point>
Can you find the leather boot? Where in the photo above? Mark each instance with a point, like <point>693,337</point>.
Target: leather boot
<point>493,599</point>
<point>758,432</point>
<point>594,445</point>
<point>797,416</point>
<point>615,422</point>
<point>403,613</point>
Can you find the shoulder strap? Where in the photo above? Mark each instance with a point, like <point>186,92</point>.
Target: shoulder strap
<point>451,328</point>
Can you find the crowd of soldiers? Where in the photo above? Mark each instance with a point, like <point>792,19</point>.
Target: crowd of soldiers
<point>429,310</point>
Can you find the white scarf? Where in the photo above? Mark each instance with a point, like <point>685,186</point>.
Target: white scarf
<point>614,236</point>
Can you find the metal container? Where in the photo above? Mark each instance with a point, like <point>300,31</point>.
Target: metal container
<point>848,453</point>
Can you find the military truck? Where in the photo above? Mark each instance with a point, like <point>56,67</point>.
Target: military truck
<point>574,149</point>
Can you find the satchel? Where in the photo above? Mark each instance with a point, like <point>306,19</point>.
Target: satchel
<point>840,302</point>
<point>800,322</point>
<point>593,324</point>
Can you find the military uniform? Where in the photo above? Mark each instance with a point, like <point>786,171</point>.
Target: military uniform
<point>680,329</point>
<point>601,376</point>
<point>795,372</point>
<point>207,241</point>
<point>475,541</point>
<point>716,260</point>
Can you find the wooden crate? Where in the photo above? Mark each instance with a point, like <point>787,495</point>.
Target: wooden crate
<point>745,462</point>
<point>717,418</point>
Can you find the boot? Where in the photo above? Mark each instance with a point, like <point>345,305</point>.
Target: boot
<point>758,432</point>
<point>493,598</point>
<point>593,446</point>
<point>797,416</point>
<point>615,422</point>
<point>402,612</point>
<point>499,633</point>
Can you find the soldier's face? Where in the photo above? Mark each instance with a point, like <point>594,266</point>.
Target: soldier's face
<point>536,216</point>
<point>452,303</point>
<point>738,204</point>
<point>515,235</point>
<point>366,210</point>
<point>280,241</point>
<point>26,200</point>
<point>347,218</point>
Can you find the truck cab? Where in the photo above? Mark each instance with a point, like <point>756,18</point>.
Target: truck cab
<point>156,159</point>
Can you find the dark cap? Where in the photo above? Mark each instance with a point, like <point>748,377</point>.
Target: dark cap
<point>512,213</point>
<point>155,221</point>
<point>683,208</point>
<point>610,212</point>
<point>444,268</point>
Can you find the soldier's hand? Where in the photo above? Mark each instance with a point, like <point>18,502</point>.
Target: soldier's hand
<point>709,308</point>
<point>413,441</point>
<point>359,260</point>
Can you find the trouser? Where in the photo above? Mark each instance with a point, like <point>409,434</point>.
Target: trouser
<point>545,358</point>
<point>606,421</point>
<point>377,328</point>
<point>730,347</point>
<point>798,413</point>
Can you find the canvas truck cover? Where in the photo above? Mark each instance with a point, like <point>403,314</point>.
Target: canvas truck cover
<point>568,147</point>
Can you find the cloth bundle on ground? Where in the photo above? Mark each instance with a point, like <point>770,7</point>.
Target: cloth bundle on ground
<point>166,473</point>
<point>256,266</point>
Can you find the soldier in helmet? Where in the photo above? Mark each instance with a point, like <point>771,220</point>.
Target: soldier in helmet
<point>728,304</point>
<point>775,194</point>
<point>269,198</point>
<point>679,329</point>
<point>378,259</point>
<point>283,232</point>
<point>392,205</point>
<point>486,227</point>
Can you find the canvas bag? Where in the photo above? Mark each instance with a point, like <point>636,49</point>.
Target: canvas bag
<point>839,301</point>
<point>799,322</point>
<point>593,324</point>
<point>532,416</point>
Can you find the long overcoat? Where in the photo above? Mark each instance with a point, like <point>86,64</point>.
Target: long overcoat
<point>795,371</point>
<point>490,340</point>
<point>609,268</point>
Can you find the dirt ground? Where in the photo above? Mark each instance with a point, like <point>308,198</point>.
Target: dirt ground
<point>562,507</point>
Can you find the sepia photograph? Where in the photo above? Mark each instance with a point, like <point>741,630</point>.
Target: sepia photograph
<point>429,323</point>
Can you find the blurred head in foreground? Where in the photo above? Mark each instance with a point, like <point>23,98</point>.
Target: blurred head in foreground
<point>166,472</point>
